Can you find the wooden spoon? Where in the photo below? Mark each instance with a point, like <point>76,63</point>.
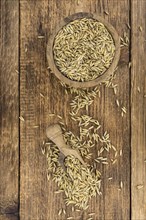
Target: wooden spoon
<point>54,133</point>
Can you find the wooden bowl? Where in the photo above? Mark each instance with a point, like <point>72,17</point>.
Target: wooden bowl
<point>99,79</point>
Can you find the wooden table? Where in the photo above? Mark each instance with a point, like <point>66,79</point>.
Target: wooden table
<point>25,192</point>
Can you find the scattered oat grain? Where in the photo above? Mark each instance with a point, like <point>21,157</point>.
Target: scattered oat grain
<point>40,37</point>
<point>139,186</point>
<point>42,95</point>
<point>68,218</point>
<point>110,178</point>
<point>138,89</point>
<point>128,25</point>
<point>117,102</point>
<point>140,28</point>
<point>60,212</point>
<point>21,118</point>
<point>91,214</point>
<point>106,12</point>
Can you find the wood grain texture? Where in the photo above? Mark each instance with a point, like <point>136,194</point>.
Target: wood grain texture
<point>9,109</point>
<point>9,217</point>
<point>116,202</point>
<point>37,198</point>
<point>138,111</point>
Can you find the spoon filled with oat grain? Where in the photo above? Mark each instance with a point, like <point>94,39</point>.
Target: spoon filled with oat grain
<point>54,133</point>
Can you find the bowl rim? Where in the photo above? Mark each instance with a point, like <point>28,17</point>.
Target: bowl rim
<point>105,76</point>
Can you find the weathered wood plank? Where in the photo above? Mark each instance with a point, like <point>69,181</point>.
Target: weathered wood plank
<point>8,217</point>
<point>38,200</point>
<point>9,108</point>
<point>138,111</point>
<point>116,200</point>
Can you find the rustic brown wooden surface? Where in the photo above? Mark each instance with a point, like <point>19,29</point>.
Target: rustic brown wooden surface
<point>138,111</point>
<point>9,110</point>
<point>37,198</point>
